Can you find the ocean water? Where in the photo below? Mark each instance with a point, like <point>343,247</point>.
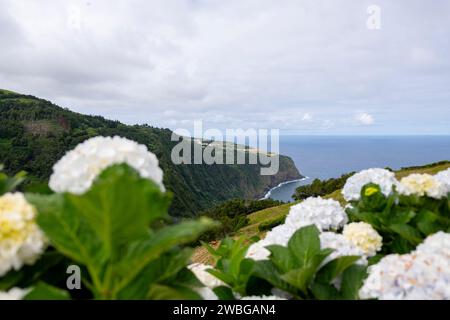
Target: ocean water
<point>331,156</point>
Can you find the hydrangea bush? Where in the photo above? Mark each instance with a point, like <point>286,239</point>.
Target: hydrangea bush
<point>108,216</point>
<point>417,206</point>
<point>391,242</point>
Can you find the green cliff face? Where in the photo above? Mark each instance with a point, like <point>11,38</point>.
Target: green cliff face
<point>35,133</point>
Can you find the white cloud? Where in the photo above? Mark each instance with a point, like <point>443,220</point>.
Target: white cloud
<point>244,60</point>
<point>365,119</point>
<point>307,117</point>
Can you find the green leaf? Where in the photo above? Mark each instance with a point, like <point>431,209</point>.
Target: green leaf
<point>120,206</point>
<point>224,293</point>
<point>429,222</point>
<point>209,248</point>
<point>334,268</point>
<point>324,291</point>
<point>69,233</point>
<point>352,280</point>
<point>400,216</point>
<point>300,278</point>
<point>43,291</point>
<point>221,275</point>
<point>172,292</point>
<point>169,266</point>
<point>281,257</point>
<point>238,251</point>
<point>107,229</point>
<point>144,251</point>
<point>407,232</point>
<point>8,184</point>
<point>266,270</point>
<point>304,244</point>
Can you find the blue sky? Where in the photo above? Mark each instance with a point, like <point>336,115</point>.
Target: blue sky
<point>304,67</point>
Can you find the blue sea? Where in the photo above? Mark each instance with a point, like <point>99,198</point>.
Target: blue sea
<point>326,157</point>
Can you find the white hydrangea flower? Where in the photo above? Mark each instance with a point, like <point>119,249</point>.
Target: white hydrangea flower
<point>382,177</point>
<point>206,293</point>
<point>364,236</point>
<point>420,275</point>
<point>262,298</point>
<point>438,244</point>
<point>208,280</point>
<point>14,294</point>
<point>421,185</point>
<point>21,240</point>
<point>257,251</point>
<point>326,214</point>
<point>444,178</point>
<point>77,170</point>
<point>279,235</point>
<point>341,246</point>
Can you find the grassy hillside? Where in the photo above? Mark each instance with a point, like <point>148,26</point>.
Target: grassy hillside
<point>274,213</point>
<point>35,133</point>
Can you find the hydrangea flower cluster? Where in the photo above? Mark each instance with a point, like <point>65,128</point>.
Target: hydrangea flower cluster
<point>257,251</point>
<point>420,275</point>
<point>21,240</point>
<point>364,236</point>
<point>382,177</point>
<point>77,170</point>
<point>341,246</point>
<point>421,185</point>
<point>279,235</point>
<point>326,214</point>
<point>200,271</point>
<point>444,178</point>
<point>208,280</point>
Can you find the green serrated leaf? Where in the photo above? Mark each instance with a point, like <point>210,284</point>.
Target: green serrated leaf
<point>224,293</point>
<point>304,244</point>
<point>334,268</point>
<point>120,206</point>
<point>69,233</point>
<point>281,257</point>
<point>144,251</point>
<point>352,280</point>
<point>300,278</point>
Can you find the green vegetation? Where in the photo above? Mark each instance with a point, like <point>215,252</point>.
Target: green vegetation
<point>233,215</point>
<point>402,221</point>
<point>9,184</point>
<point>259,221</point>
<point>302,269</point>
<point>321,187</point>
<point>232,268</point>
<point>270,224</point>
<point>35,133</point>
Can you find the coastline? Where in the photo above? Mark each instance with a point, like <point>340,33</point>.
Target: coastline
<point>268,194</point>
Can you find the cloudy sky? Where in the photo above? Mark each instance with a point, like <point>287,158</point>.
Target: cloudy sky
<point>303,66</point>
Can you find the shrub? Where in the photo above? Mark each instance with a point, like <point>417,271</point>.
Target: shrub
<point>267,225</point>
